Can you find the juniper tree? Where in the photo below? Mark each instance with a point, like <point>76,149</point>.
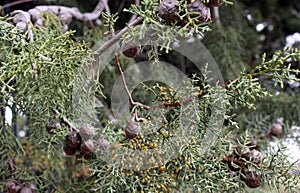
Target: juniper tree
<point>106,108</point>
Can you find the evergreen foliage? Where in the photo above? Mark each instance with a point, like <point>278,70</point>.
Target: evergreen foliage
<point>53,105</point>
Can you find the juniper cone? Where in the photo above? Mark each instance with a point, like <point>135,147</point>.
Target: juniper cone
<point>168,10</point>
<point>103,143</point>
<point>132,129</point>
<point>87,132</point>
<point>87,147</point>
<point>253,179</point>
<point>26,190</point>
<point>13,187</point>
<point>276,130</point>
<point>52,126</point>
<point>73,140</point>
<point>69,151</point>
<point>32,187</point>
<point>201,11</point>
<point>131,50</point>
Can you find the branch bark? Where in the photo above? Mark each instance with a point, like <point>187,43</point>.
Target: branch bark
<point>15,3</point>
<point>65,14</point>
<point>65,121</point>
<point>217,16</point>
<point>116,38</point>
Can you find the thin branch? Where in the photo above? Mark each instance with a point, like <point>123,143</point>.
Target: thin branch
<point>96,12</point>
<point>137,118</point>
<point>15,3</point>
<point>44,57</point>
<point>121,5</point>
<point>126,88</point>
<point>279,137</point>
<point>217,16</point>
<point>3,112</point>
<point>65,121</point>
<point>11,165</point>
<point>106,7</point>
<point>30,34</point>
<point>35,71</point>
<point>116,38</point>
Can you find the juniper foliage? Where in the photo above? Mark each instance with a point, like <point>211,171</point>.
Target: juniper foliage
<point>40,84</point>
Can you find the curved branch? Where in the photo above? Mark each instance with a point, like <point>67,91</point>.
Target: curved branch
<point>15,3</point>
<point>65,14</point>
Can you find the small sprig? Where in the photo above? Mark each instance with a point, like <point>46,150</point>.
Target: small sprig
<point>278,67</point>
<point>110,21</point>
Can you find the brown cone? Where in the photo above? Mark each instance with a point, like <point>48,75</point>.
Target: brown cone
<point>52,126</point>
<point>133,129</point>
<point>87,132</point>
<point>26,190</point>
<point>168,10</point>
<point>131,50</point>
<point>87,147</point>
<point>276,130</point>
<point>13,186</point>
<point>201,11</point>
<point>253,179</point>
<point>103,143</point>
<point>73,140</point>
<point>69,151</point>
